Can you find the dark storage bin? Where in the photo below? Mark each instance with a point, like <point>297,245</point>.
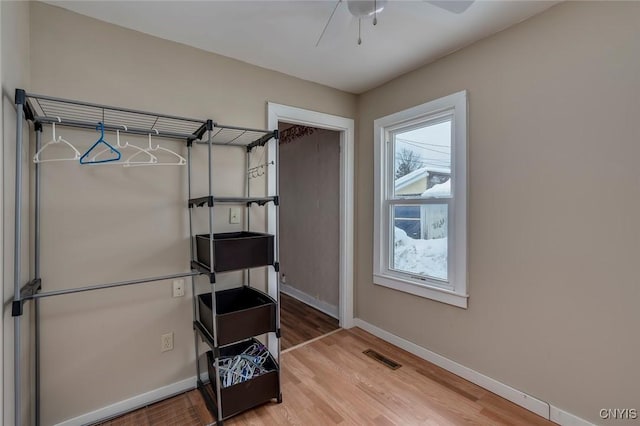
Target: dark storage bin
<point>242,313</point>
<point>250,393</point>
<point>236,250</point>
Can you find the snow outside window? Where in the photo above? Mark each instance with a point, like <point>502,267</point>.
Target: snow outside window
<point>420,215</point>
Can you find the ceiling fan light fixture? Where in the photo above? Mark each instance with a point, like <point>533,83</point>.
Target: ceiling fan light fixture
<point>365,8</point>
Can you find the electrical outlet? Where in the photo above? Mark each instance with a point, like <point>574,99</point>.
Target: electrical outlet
<point>166,342</point>
<point>178,288</point>
<point>234,215</point>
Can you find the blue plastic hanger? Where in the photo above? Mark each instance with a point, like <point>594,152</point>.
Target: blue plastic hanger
<point>83,159</point>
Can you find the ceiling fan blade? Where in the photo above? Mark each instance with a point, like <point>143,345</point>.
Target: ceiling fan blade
<point>455,6</point>
<point>328,21</point>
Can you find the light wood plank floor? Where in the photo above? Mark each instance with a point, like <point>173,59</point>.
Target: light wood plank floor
<point>300,322</point>
<point>330,381</point>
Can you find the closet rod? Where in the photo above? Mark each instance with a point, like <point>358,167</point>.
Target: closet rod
<point>112,108</point>
<point>92,125</point>
<point>110,285</point>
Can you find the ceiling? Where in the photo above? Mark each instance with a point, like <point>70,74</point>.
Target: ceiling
<point>282,35</point>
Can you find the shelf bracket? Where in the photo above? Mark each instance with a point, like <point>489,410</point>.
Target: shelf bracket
<point>26,292</point>
<point>21,99</point>
<point>198,134</point>
<point>203,269</point>
<point>199,202</point>
<point>207,338</point>
<point>263,140</point>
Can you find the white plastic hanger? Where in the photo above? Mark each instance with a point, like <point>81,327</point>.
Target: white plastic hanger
<point>53,141</point>
<point>152,158</point>
<point>181,160</point>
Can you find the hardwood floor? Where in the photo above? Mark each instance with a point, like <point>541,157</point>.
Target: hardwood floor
<point>300,322</point>
<point>330,381</point>
<point>185,409</point>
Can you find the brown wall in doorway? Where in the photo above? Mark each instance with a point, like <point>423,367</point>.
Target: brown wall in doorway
<point>310,215</point>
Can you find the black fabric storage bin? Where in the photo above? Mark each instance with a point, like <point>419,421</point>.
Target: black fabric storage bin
<point>250,393</point>
<point>236,250</point>
<point>242,313</point>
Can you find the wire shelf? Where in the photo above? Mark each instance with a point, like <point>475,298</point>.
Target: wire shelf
<point>47,109</point>
<point>228,135</point>
<point>66,112</point>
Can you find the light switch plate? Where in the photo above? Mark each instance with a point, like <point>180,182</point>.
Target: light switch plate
<point>234,215</point>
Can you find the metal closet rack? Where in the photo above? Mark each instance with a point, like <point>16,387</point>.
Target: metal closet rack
<point>259,313</point>
<point>43,110</point>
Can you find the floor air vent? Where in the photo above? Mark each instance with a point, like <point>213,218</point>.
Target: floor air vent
<point>382,359</point>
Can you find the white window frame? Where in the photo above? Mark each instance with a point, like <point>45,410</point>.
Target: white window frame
<point>454,290</point>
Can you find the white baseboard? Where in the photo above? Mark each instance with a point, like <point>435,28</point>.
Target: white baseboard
<point>325,307</point>
<point>522,399</point>
<point>563,418</point>
<point>133,403</point>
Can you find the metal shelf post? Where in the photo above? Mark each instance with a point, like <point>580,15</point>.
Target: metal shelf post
<point>17,261</point>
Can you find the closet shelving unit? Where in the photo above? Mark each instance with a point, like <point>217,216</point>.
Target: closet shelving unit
<point>44,110</point>
<point>229,321</point>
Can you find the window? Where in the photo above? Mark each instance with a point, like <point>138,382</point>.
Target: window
<point>420,216</point>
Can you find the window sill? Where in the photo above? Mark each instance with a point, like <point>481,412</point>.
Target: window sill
<point>433,293</point>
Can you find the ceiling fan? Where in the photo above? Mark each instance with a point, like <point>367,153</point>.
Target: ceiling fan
<point>362,9</point>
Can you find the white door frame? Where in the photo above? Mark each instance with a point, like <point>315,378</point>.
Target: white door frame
<point>293,115</point>
<point>2,325</point>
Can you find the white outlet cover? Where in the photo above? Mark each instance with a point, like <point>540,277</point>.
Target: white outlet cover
<point>166,342</point>
<point>178,288</point>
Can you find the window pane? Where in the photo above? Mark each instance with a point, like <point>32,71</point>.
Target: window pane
<point>410,227</point>
<point>422,166</point>
<point>408,212</point>
<point>427,253</point>
<point>407,218</point>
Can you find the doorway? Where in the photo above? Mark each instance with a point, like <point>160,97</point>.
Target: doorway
<point>343,128</point>
<point>309,193</point>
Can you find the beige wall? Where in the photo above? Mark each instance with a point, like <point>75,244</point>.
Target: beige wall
<point>554,202</point>
<point>310,215</point>
<point>15,73</point>
<point>103,224</point>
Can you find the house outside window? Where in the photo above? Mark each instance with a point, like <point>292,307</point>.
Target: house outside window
<point>421,200</point>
